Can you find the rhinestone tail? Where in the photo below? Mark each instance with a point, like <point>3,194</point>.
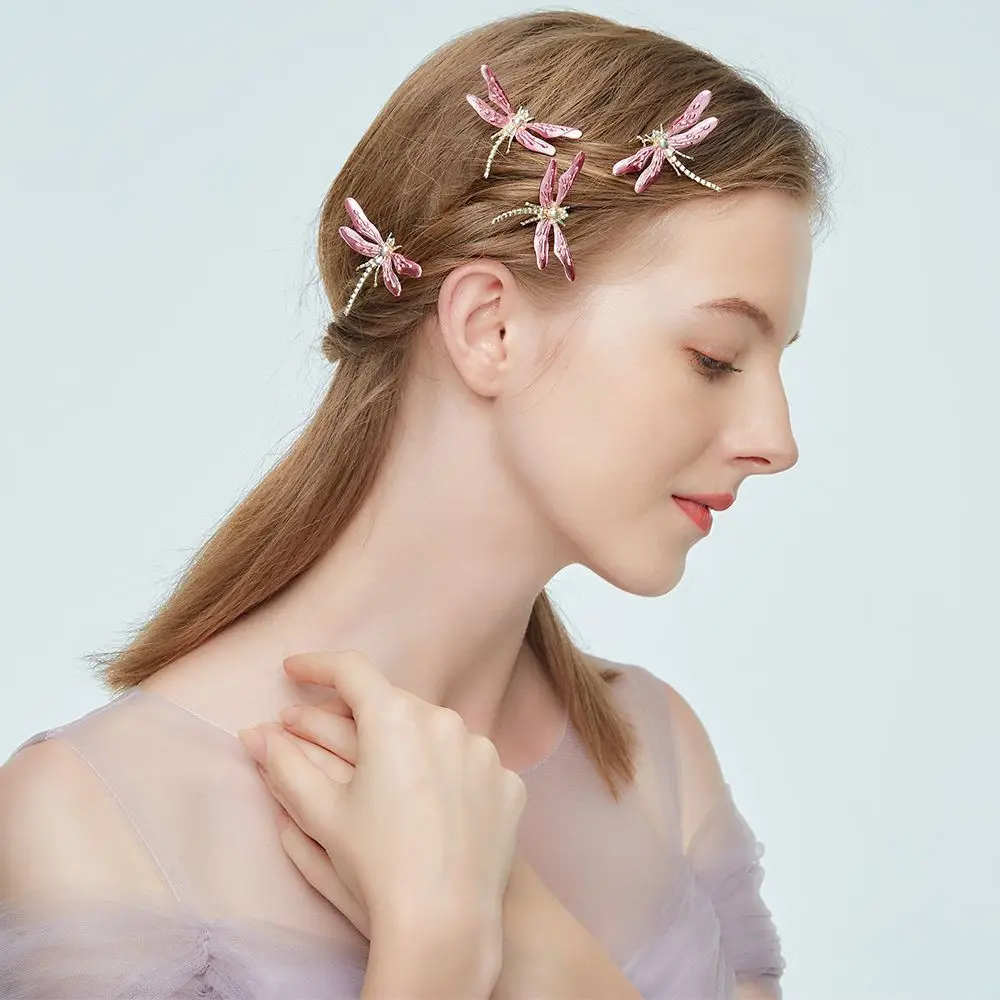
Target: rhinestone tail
<point>369,266</point>
<point>505,133</point>
<point>679,169</point>
<point>529,209</point>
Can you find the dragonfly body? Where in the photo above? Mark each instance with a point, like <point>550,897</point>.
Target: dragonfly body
<point>384,254</point>
<point>519,125</point>
<point>664,145</point>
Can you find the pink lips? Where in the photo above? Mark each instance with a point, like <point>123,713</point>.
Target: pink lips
<point>699,508</point>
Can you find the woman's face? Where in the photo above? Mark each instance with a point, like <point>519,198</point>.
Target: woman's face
<point>639,406</point>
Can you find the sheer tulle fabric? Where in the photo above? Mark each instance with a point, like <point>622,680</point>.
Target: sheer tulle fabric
<point>234,920</point>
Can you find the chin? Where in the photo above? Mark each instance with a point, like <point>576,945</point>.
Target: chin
<point>651,573</point>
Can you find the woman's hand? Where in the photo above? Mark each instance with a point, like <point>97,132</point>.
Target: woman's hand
<point>424,827</point>
<point>545,952</point>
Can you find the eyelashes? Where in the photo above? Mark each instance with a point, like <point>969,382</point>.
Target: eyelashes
<point>711,368</point>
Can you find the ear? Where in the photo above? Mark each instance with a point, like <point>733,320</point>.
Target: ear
<point>479,305</point>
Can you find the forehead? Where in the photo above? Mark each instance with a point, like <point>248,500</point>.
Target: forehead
<point>751,244</point>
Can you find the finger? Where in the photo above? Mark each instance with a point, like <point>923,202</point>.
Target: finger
<point>337,706</point>
<point>275,794</point>
<point>332,765</point>
<point>284,806</point>
<point>314,864</point>
<point>311,798</point>
<point>335,733</point>
<point>334,704</point>
<point>309,857</point>
<point>355,678</point>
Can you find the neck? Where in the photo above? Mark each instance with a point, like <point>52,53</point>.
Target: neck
<point>433,580</point>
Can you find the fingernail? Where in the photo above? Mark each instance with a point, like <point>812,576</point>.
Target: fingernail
<point>290,715</point>
<point>254,744</point>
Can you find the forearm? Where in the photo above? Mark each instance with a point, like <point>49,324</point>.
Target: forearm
<point>548,954</point>
<point>431,961</point>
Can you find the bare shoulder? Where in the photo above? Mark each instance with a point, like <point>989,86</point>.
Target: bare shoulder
<point>61,831</point>
<point>700,774</point>
<point>689,732</point>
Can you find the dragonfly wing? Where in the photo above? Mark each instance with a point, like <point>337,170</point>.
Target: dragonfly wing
<point>536,145</point>
<point>635,162</point>
<point>554,131</point>
<point>561,248</point>
<point>495,91</point>
<point>652,171</point>
<point>361,223</point>
<point>547,189</point>
<point>566,181</point>
<point>389,277</point>
<point>356,243</point>
<point>693,135</point>
<point>691,114</point>
<point>542,242</point>
<point>406,266</point>
<point>485,111</point>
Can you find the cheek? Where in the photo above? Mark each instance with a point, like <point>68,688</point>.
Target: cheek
<point>554,435</point>
<point>599,440</point>
<point>650,416</point>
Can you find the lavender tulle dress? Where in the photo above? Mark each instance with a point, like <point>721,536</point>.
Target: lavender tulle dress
<point>222,913</point>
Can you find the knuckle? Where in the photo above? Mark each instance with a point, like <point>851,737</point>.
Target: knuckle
<point>396,708</point>
<point>353,659</point>
<point>449,721</point>
<point>516,788</point>
<point>483,747</point>
<point>318,820</point>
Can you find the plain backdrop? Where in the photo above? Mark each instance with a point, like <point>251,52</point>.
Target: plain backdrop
<point>161,173</point>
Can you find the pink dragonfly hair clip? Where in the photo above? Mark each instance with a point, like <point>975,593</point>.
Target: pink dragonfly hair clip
<point>515,124</point>
<point>384,254</point>
<point>550,214</point>
<point>665,146</point>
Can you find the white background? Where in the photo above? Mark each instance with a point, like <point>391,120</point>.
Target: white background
<point>161,172</point>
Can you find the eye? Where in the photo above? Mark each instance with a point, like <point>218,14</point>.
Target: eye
<point>711,368</point>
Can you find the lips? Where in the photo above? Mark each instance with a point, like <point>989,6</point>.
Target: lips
<point>699,507</point>
<point>717,501</point>
<point>698,513</point>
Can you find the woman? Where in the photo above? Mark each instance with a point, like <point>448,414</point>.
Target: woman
<point>494,416</point>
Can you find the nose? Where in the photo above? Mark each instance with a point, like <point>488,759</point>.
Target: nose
<point>763,437</point>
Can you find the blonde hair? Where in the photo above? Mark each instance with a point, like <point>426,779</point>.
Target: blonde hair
<point>418,170</point>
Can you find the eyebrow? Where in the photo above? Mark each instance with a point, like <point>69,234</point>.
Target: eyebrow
<point>738,306</point>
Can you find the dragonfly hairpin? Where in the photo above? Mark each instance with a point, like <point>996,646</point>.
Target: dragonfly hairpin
<point>513,124</point>
<point>665,146</point>
<point>385,256</point>
<point>549,215</point>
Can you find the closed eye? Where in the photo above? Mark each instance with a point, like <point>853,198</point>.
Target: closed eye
<point>713,369</point>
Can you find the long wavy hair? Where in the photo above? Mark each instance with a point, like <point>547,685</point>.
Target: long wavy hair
<point>419,166</point>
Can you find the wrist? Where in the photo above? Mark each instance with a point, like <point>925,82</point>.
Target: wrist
<point>442,916</point>
<point>437,955</point>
